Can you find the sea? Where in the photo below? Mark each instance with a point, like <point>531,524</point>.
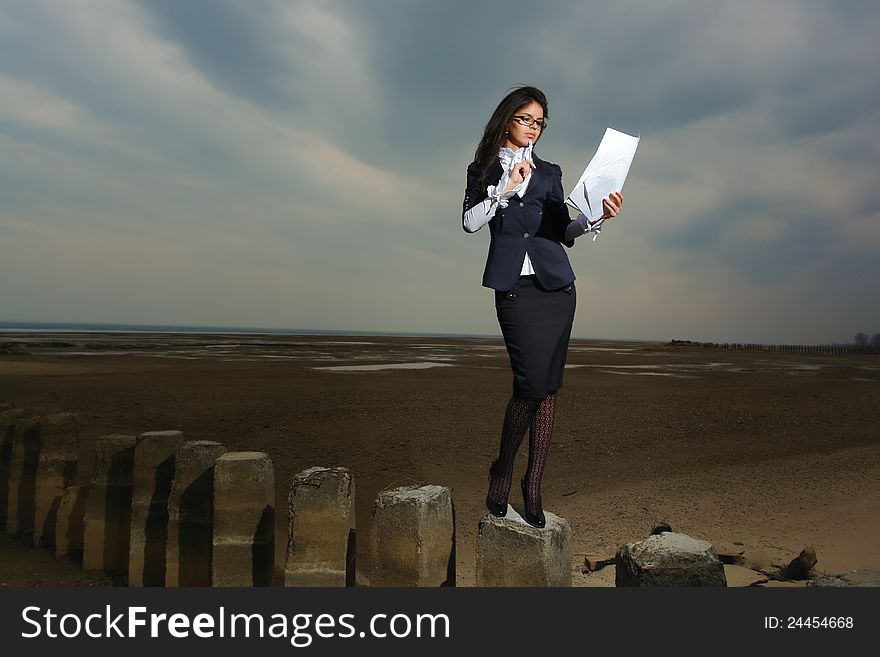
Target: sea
<point>88,327</point>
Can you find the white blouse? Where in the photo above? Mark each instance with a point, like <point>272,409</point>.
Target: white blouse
<point>479,215</point>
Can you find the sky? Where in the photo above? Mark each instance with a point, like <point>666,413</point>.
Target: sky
<point>301,163</point>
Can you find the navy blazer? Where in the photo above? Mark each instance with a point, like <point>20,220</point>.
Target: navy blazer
<point>534,224</point>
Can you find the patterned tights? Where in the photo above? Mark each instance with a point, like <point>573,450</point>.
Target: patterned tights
<point>536,415</point>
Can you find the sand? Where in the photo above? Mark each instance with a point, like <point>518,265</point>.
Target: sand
<point>759,452</point>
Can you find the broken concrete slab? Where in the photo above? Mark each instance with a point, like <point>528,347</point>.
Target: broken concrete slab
<point>244,520</point>
<point>413,537</point>
<point>321,528</point>
<point>669,559</point>
<point>510,552</point>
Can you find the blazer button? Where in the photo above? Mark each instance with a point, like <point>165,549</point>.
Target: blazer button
<point>521,204</point>
<point>526,235</point>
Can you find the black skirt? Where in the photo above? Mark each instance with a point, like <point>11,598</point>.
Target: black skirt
<point>536,325</point>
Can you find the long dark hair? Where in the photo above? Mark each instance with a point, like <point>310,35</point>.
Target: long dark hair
<point>493,136</point>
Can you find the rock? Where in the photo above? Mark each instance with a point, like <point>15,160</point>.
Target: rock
<point>321,528</point>
<point>731,554</point>
<point>152,474</point>
<point>593,563</point>
<point>740,576</point>
<point>863,577</point>
<point>56,470</point>
<point>107,530</point>
<point>8,416</point>
<point>668,559</point>
<point>512,553</point>
<point>190,514</point>
<point>827,580</point>
<point>412,540</point>
<point>244,520</point>
<point>23,458</point>
<point>799,567</point>
<point>69,520</point>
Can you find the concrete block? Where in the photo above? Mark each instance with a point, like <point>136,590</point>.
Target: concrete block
<point>108,507</point>
<point>56,470</point>
<point>594,562</point>
<point>321,528</point>
<point>151,485</point>
<point>23,476</point>
<point>511,552</point>
<point>8,417</point>
<point>668,559</point>
<point>244,520</point>
<point>190,504</point>
<point>412,539</point>
<point>69,525</point>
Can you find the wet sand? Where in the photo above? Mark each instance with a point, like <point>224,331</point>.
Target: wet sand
<point>760,452</point>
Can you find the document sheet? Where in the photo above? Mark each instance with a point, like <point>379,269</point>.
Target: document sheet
<point>605,173</point>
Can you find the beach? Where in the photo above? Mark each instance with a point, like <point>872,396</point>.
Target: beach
<point>764,453</point>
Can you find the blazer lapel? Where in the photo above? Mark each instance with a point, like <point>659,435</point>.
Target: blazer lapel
<point>497,172</point>
<point>538,176</point>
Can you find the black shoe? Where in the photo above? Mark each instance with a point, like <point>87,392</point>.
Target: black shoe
<point>536,520</point>
<point>495,508</point>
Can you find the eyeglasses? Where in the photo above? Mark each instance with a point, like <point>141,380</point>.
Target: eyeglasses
<point>527,120</point>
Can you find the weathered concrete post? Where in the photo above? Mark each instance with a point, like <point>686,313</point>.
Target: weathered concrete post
<point>188,556</point>
<point>668,559</point>
<point>320,528</point>
<point>511,552</point>
<point>151,484</point>
<point>23,476</point>
<point>412,540</point>
<point>8,417</point>
<point>56,470</point>
<point>244,520</point>
<point>69,524</point>
<point>108,507</point>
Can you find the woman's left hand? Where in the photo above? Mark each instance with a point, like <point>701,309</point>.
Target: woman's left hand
<point>611,205</point>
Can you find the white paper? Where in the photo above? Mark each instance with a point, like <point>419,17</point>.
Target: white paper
<point>605,173</point>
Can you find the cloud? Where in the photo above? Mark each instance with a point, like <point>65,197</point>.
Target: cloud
<point>309,156</point>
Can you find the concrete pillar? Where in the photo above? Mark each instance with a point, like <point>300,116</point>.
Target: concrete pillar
<point>23,476</point>
<point>188,556</point>
<point>8,417</point>
<point>668,559</point>
<point>56,470</point>
<point>244,520</point>
<point>108,506</point>
<point>69,524</point>
<point>511,552</point>
<point>320,528</point>
<point>151,484</point>
<point>412,540</point>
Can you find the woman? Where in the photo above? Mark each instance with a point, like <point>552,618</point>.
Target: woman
<point>520,196</point>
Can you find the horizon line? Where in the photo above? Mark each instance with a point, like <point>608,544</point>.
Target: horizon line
<point>108,327</point>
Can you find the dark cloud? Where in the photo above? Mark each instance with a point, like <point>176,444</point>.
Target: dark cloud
<point>443,70</point>
<point>799,236</point>
<point>229,42</point>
